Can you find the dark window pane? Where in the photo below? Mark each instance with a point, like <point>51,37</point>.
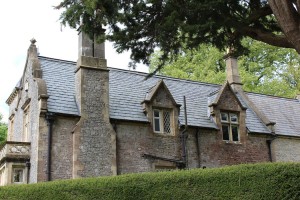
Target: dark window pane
<point>156,125</point>
<point>225,129</point>
<point>234,118</point>
<point>235,133</point>
<point>224,117</point>
<point>167,123</point>
<point>156,113</point>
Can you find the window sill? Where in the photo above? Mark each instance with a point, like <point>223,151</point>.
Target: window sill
<point>232,142</point>
<point>164,134</point>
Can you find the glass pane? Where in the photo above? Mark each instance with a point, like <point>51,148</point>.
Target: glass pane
<point>156,125</point>
<point>156,113</point>
<point>235,133</point>
<point>225,129</point>
<point>224,117</point>
<point>167,127</point>
<point>18,175</point>
<point>234,118</point>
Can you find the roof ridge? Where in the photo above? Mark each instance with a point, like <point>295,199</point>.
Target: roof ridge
<point>269,95</point>
<point>164,77</point>
<point>57,59</point>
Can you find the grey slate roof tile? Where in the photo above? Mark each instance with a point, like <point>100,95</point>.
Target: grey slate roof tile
<point>59,76</point>
<point>283,111</point>
<point>127,90</point>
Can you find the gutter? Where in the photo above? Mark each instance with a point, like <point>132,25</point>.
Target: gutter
<point>269,143</point>
<point>50,120</point>
<point>198,147</point>
<point>183,136</point>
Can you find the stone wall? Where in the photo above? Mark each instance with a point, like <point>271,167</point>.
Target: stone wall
<point>286,149</point>
<point>62,147</point>
<point>215,152</point>
<point>136,139</point>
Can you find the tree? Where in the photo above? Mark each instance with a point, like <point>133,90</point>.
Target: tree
<point>143,25</point>
<point>3,130</point>
<point>267,69</point>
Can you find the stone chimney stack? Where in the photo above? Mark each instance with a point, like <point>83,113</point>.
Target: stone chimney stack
<point>94,139</point>
<point>91,48</point>
<point>232,72</point>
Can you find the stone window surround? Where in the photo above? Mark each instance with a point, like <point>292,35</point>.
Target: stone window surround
<point>161,165</point>
<point>14,169</point>
<point>230,125</point>
<point>2,175</point>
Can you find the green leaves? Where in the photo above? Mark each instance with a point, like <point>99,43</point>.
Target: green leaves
<point>265,69</point>
<point>3,130</point>
<point>144,25</point>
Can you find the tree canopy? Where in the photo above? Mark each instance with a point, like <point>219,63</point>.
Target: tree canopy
<point>3,130</point>
<point>170,25</point>
<point>267,69</point>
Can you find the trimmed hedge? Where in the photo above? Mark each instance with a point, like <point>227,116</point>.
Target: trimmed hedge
<point>253,181</point>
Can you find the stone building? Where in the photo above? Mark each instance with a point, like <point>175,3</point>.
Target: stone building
<point>71,120</point>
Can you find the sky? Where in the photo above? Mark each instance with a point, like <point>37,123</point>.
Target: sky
<point>23,20</point>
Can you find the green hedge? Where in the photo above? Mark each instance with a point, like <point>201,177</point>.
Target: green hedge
<point>254,181</point>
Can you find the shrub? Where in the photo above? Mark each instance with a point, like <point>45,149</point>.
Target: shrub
<point>253,181</point>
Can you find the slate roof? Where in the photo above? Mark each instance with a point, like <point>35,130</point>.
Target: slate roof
<point>60,80</point>
<point>283,111</point>
<point>127,89</point>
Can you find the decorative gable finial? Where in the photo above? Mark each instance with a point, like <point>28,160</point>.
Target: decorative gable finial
<point>33,41</point>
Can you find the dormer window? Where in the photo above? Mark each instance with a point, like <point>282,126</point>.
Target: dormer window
<point>230,126</point>
<point>162,121</point>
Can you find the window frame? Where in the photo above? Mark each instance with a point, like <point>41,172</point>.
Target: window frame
<point>14,169</point>
<point>160,118</point>
<point>231,124</point>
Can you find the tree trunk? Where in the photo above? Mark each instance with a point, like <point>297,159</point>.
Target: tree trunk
<point>288,17</point>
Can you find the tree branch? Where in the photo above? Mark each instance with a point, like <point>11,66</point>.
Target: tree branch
<point>288,19</point>
<point>267,37</point>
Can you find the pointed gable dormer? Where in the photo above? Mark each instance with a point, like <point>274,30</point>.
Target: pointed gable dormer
<point>161,109</point>
<point>229,114</point>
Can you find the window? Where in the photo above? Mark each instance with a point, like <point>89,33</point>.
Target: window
<point>18,175</point>
<point>162,121</point>
<point>230,126</point>
<point>26,125</point>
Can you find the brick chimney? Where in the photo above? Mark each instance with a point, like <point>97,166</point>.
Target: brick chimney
<point>232,72</point>
<point>94,140</point>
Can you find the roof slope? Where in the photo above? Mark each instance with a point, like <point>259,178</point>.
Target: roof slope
<point>60,80</point>
<point>283,111</point>
<point>127,89</point>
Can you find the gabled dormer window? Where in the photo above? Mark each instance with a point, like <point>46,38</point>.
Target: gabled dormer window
<point>162,121</point>
<point>230,126</point>
<point>161,110</point>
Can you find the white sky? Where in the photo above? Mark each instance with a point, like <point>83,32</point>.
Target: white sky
<point>23,20</point>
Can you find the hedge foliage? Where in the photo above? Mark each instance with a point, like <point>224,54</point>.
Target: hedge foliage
<point>253,181</point>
